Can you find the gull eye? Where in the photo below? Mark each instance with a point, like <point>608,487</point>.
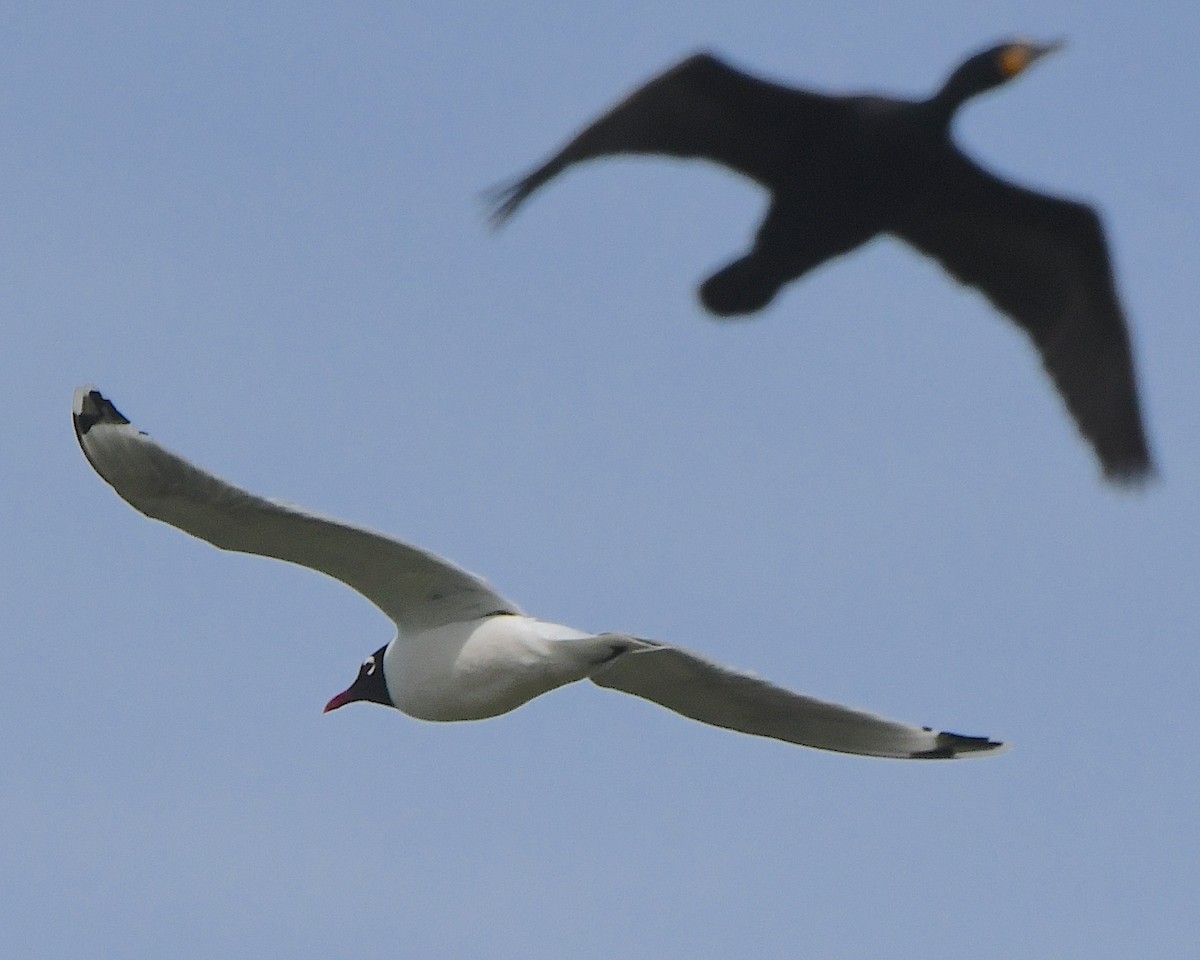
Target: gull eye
<point>369,665</point>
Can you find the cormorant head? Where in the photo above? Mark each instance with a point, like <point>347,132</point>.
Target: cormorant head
<point>989,69</point>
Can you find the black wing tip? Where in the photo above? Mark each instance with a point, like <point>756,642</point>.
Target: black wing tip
<point>1131,473</point>
<point>503,200</point>
<point>92,407</point>
<point>952,745</point>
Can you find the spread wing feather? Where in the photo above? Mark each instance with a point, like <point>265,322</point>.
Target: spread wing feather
<point>702,108</point>
<point>1043,262</point>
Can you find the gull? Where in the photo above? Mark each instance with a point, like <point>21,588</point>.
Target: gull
<point>461,650</point>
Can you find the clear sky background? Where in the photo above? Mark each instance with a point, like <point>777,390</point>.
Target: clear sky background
<point>257,228</point>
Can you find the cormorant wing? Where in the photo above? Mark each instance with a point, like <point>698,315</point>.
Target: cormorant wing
<point>416,589</point>
<point>1044,262</point>
<point>706,691</point>
<point>699,108</point>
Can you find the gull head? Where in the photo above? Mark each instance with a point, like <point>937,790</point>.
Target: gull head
<point>369,685</point>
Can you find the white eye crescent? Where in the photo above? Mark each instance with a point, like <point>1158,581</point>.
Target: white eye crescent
<point>369,665</point>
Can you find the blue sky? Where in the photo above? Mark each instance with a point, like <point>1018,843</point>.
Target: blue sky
<point>258,229</point>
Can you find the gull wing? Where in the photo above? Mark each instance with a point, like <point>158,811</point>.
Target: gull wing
<point>416,589</point>
<point>1043,262</point>
<point>706,691</point>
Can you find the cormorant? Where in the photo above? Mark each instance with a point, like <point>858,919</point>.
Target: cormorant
<point>843,169</point>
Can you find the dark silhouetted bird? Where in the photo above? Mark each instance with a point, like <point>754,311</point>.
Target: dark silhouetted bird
<point>843,169</point>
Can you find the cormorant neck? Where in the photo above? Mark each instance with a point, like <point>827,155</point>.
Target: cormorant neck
<point>957,90</point>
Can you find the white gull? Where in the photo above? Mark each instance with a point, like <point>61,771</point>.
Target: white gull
<point>461,650</point>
